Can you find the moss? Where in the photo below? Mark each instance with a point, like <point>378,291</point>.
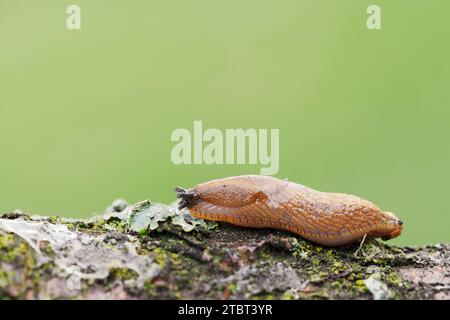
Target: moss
<point>26,275</point>
<point>320,294</point>
<point>114,223</point>
<point>232,288</point>
<point>5,278</point>
<point>264,254</point>
<point>160,257</point>
<point>46,248</point>
<point>337,284</point>
<point>15,215</point>
<point>300,248</point>
<point>262,296</point>
<point>315,261</point>
<point>355,276</point>
<point>70,226</point>
<point>122,274</point>
<point>6,241</point>
<point>360,285</point>
<point>392,279</point>
<point>39,274</point>
<point>318,249</point>
<point>379,262</point>
<point>54,219</point>
<point>13,249</point>
<point>159,289</point>
<point>337,268</point>
<point>318,277</point>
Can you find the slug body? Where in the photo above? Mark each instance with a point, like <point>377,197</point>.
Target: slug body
<point>330,219</point>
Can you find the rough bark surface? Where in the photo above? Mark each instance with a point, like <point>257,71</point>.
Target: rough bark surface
<point>153,251</point>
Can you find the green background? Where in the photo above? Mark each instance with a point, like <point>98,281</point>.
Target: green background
<point>86,116</point>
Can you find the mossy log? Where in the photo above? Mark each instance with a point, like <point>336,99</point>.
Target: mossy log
<point>153,251</point>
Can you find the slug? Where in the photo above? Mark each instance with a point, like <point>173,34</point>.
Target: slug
<point>329,219</point>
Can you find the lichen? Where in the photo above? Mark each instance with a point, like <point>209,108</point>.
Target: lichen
<point>147,216</point>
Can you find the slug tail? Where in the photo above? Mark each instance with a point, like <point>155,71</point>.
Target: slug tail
<point>187,197</point>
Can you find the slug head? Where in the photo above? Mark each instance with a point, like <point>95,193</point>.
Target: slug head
<point>391,228</point>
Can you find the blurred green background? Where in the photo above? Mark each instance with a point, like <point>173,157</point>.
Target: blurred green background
<point>86,116</point>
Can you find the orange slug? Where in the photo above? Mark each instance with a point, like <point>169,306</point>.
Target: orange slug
<point>330,219</point>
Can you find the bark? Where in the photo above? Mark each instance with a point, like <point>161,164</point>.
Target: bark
<point>154,251</point>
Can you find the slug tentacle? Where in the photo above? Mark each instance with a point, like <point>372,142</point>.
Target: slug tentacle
<point>265,202</point>
<point>187,197</point>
